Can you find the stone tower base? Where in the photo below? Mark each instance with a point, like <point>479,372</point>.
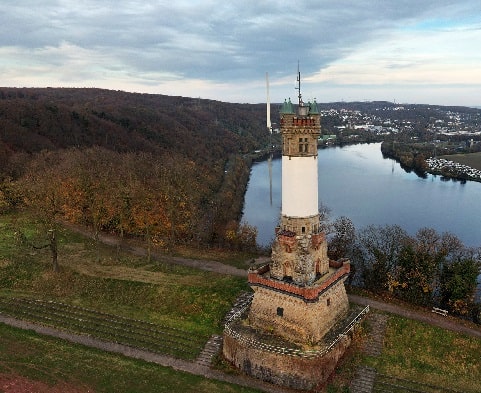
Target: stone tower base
<point>275,360</point>
<point>297,371</point>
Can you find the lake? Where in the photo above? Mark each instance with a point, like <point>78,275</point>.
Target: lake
<point>357,182</point>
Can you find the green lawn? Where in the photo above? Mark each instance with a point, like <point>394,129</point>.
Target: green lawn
<point>119,283</point>
<point>104,279</point>
<point>419,352</point>
<point>26,356</point>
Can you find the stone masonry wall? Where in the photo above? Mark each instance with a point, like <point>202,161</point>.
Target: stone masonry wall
<point>294,318</point>
<point>296,372</point>
<point>299,257</point>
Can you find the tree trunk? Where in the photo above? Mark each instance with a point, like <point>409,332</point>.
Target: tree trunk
<point>148,245</point>
<point>54,249</point>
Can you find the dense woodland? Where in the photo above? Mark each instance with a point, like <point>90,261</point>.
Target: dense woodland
<point>170,169</point>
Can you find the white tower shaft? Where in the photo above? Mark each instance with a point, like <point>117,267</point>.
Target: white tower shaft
<point>299,187</point>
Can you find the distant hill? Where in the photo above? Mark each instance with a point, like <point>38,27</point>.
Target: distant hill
<point>34,119</point>
<point>172,169</point>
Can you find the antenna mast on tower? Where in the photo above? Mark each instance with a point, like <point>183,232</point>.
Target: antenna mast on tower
<point>299,85</point>
<point>269,128</point>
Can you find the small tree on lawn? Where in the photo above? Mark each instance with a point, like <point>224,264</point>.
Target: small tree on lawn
<point>43,197</point>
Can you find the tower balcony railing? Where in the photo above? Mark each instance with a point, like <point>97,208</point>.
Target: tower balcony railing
<point>300,121</point>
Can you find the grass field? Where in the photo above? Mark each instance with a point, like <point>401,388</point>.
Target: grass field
<point>117,283</point>
<point>419,352</point>
<point>34,363</point>
<point>194,301</point>
<point>470,159</point>
<point>417,357</point>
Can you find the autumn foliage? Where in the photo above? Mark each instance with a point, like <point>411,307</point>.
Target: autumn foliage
<point>168,169</point>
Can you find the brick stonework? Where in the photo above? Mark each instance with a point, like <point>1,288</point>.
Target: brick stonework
<point>304,373</point>
<point>295,224</point>
<point>298,297</point>
<point>299,314</point>
<point>294,127</point>
<point>301,258</point>
<point>261,277</point>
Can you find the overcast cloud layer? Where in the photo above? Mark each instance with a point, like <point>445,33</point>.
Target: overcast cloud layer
<point>415,51</point>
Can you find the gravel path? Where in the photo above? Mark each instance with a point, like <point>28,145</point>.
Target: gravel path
<point>211,266</point>
<point>449,323</point>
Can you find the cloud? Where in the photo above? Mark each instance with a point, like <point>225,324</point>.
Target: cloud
<point>222,50</point>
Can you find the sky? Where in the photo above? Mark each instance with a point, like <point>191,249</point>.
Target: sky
<point>405,51</point>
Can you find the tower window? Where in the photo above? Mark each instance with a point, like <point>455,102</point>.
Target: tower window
<point>280,311</point>
<point>328,302</point>
<point>303,145</point>
<point>303,229</point>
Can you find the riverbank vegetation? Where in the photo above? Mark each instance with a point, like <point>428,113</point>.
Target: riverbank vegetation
<point>416,157</point>
<point>428,269</point>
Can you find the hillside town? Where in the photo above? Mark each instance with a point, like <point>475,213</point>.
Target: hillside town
<point>416,134</point>
<point>388,118</point>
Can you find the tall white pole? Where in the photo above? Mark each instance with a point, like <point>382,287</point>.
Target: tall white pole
<point>269,125</point>
<point>269,128</point>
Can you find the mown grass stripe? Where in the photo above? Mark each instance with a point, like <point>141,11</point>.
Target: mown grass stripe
<point>105,326</point>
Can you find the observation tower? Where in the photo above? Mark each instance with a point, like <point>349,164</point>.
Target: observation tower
<point>299,301</point>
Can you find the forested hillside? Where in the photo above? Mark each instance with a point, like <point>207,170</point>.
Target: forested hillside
<point>171,169</point>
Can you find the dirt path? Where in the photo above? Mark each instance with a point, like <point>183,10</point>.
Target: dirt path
<point>449,323</point>
<point>197,368</point>
<point>212,266</point>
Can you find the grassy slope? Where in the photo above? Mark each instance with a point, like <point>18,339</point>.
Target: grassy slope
<point>118,283</point>
<point>430,355</point>
<point>179,297</point>
<point>54,362</point>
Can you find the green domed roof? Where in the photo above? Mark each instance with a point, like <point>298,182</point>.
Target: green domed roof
<point>287,107</point>
<point>313,109</point>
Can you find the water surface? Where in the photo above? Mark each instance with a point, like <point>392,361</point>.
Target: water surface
<point>357,182</point>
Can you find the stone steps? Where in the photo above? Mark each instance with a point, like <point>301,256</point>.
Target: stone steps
<point>365,377</point>
<point>243,299</point>
<point>214,344</point>
<point>212,347</point>
<point>363,381</point>
<point>375,342</point>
